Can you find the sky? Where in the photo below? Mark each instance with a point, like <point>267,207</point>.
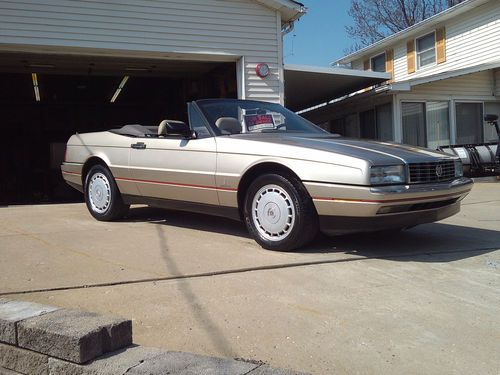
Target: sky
<point>319,37</point>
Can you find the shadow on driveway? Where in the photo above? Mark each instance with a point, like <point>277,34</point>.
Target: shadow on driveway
<point>436,242</point>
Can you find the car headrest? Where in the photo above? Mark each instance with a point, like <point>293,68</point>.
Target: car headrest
<point>228,125</point>
<point>170,126</point>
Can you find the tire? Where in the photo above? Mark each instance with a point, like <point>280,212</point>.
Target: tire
<point>267,198</point>
<point>102,196</point>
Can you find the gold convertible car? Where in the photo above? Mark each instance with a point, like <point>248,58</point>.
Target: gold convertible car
<point>263,164</point>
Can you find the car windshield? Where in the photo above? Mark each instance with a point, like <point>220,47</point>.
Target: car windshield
<point>248,116</point>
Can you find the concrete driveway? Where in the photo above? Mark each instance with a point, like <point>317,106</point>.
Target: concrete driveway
<point>422,301</point>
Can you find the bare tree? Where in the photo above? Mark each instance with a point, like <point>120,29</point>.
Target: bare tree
<point>376,19</point>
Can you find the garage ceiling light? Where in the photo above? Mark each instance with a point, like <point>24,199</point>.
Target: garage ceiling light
<point>119,89</point>
<point>34,78</point>
<point>41,66</point>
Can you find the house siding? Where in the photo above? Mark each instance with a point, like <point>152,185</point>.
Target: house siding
<point>497,82</point>
<point>474,85</point>
<point>471,39</point>
<point>227,29</point>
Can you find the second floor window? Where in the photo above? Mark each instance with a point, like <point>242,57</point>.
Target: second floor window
<point>378,63</point>
<point>426,50</point>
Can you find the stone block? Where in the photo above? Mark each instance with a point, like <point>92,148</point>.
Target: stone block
<point>187,363</point>
<point>23,361</point>
<point>12,312</point>
<point>115,363</point>
<point>75,336</point>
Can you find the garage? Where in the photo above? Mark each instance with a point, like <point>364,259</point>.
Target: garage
<point>46,99</point>
<point>76,66</point>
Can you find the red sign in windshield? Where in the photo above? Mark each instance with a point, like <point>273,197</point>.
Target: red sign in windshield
<point>255,122</point>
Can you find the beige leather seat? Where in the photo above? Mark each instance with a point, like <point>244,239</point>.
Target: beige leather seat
<point>228,125</point>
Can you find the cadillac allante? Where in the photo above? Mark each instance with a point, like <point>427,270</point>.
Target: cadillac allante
<point>258,162</point>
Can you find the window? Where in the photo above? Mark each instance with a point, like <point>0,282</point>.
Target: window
<point>197,123</point>
<point>426,124</point>
<point>426,50</point>
<point>469,123</point>
<point>413,123</point>
<point>490,133</point>
<point>438,124</point>
<point>378,63</point>
<point>377,123</point>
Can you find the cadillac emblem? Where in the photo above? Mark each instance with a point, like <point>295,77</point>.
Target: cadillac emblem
<point>439,170</point>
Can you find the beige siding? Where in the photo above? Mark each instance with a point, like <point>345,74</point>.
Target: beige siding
<point>474,85</point>
<point>228,29</point>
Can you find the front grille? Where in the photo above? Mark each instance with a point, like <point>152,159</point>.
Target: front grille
<point>440,171</point>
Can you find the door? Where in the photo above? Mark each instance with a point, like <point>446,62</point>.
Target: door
<point>176,168</point>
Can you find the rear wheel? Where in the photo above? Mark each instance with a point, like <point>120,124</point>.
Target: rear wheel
<point>102,196</point>
<point>279,213</point>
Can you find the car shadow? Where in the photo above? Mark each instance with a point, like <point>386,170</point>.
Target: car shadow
<point>436,242</point>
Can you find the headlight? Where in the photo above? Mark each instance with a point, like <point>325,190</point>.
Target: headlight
<point>459,168</point>
<point>393,174</point>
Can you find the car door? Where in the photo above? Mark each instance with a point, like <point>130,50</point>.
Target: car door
<point>176,168</point>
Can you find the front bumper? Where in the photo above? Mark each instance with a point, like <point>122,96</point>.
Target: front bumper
<point>344,208</point>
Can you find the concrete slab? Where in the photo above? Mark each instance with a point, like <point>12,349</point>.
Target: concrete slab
<point>190,364</point>
<point>12,312</point>
<point>422,301</point>
<point>75,336</point>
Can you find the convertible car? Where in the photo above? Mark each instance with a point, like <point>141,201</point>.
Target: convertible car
<point>263,164</point>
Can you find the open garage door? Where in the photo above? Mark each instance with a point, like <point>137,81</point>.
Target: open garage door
<point>46,99</point>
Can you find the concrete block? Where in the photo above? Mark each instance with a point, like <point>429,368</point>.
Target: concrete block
<point>115,363</point>
<point>75,336</point>
<point>12,312</point>
<point>187,363</point>
<point>23,361</point>
<point>268,370</point>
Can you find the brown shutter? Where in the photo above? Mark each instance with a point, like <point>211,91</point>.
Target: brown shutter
<point>366,64</point>
<point>389,62</point>
<point>410,56</point>
<point>441,45</point>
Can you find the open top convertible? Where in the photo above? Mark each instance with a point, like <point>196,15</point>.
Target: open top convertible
<point>259,162</point>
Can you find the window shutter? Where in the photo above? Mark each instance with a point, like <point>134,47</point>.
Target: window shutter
<point>410,56</point>
<point>366,64</point>
<point>389,62</point>
<point>441,45</point>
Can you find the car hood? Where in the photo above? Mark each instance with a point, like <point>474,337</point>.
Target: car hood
<point>378,153</point>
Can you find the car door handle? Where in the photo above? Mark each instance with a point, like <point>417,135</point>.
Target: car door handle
<point>138,145</point>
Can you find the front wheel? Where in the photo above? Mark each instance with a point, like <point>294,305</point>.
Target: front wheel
<point>279,213</point>
<point>102,196</point>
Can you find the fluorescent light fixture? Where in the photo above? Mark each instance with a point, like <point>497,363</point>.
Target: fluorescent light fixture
<point>119,89</point>
<point>34,78</point>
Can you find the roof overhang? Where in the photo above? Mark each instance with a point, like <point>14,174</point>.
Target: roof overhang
<point>308,86</point>
<point>290,10</point>
<point>412,31</point>
<point>407,85</point>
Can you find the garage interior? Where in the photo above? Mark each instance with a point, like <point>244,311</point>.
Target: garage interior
<point>47,98</point>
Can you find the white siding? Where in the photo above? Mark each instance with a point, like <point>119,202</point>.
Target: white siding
<point>471,39</point>
<point>473,85</point>
<point>211,29</point>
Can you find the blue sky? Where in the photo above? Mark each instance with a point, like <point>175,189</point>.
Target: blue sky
<point>319,37</point>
